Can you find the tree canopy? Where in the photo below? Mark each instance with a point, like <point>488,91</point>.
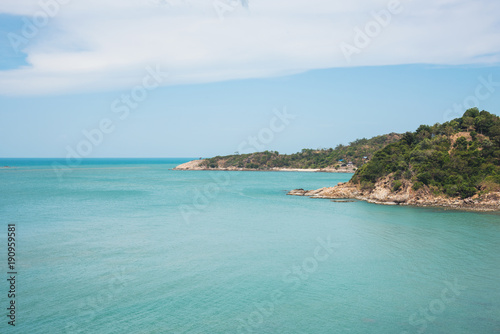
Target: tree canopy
<point>357,152</point>
<point>457,158</point>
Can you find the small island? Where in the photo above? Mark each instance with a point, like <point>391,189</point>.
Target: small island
<point>341,159</point>
<point>453,165</point>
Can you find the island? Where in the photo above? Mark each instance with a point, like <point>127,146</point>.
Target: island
<point>453,165</point>
<point>341,159</point>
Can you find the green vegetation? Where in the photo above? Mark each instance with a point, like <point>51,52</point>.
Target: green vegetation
<point>458,158</point>
<point>396,185</point>
<point>355,152</point>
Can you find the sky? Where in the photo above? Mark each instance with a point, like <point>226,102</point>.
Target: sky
<point>199,78</point>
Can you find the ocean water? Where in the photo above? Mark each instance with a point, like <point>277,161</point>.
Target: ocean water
<point>131,246</point>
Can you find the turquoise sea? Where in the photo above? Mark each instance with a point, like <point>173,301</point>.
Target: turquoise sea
<point>131,246</point>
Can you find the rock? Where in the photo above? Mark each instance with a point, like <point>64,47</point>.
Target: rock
<point>302,192</point>
<point>382,193</point>
<point>297,192</point>
<point>191,165</point>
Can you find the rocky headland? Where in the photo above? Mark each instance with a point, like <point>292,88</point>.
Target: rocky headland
<point>452,165</point>
<point>383,193</point>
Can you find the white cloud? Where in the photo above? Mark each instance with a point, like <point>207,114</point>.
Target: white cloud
<point>106,44</point>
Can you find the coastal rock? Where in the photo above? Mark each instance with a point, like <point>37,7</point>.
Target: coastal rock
<point>383,193</point>
<point>297,192</point>
<point>191,165</point>
<point>341,191</point>
<point>302,192</point>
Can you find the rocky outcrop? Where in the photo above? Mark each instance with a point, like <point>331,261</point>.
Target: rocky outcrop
<point>384,193</point>
<point>309,193</point>
<point>191,165</point>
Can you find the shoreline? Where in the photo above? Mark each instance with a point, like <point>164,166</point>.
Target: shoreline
<point>195,165</point>
<point>382,194</point>
<point>267,170</point>
<point>487,203</point>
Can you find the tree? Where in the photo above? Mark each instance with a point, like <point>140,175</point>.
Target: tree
<point>472,112</point>
<point>467,122</point>
<point>494,133</point>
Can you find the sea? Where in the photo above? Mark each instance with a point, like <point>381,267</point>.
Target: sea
<point>132,246</point>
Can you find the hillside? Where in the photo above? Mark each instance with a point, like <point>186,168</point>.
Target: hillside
<point>355,154</point>
<point>457,162</point>
<point>457,158</point>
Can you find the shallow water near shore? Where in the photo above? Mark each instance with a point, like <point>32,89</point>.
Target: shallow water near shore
<point>131,246</point>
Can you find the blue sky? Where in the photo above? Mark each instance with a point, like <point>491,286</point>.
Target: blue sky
<point>231,72</point>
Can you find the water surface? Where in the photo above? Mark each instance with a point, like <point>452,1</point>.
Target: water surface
<point>131,246</point>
